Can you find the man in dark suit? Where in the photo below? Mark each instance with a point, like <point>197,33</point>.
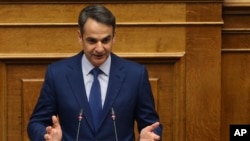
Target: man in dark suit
<point>64,109</point>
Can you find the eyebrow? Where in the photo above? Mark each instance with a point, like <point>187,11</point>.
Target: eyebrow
<point>94,39</point>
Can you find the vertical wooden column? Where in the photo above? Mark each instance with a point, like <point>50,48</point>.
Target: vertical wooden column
<point>2,101</point>
<point>203,71</point>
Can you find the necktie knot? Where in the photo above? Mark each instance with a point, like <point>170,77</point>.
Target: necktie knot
<point>95,72</point>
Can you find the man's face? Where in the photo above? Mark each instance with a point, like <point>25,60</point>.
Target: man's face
<point>97,41</point>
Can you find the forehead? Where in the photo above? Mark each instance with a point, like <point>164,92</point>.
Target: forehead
<point>93,27</point>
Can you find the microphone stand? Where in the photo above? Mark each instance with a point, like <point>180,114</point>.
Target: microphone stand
<point>79,124</point>
<point>113,117</point>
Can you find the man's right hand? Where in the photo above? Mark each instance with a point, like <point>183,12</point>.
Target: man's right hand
<point>54,132</point>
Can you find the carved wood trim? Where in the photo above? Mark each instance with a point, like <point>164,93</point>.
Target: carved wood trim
<point>231,7</point>
<point>4,56</point>
<point>235,50</point>
<point>118,24</point>
<point>30,92</point>
<point>236,30</point>
<point>111,1</point>
<point>237,3</point>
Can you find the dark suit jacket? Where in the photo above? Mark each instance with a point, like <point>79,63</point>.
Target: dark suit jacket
<point>63,94</point>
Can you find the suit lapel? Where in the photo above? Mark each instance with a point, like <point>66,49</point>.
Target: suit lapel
<point>115,82</point>
<point>75,78</point>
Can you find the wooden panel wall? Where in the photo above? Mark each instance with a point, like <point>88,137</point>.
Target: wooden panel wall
<point>235,104</point>
<point>179,42</point>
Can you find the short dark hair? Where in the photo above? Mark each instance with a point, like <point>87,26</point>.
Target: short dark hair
<point>98,13</point>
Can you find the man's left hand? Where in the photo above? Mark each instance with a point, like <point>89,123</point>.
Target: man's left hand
<point>147,133</point>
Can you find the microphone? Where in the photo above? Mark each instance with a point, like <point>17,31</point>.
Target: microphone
<point>113,117</point>
<point>79,124</point>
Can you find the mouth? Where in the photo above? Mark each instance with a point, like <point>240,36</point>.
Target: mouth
<point>98,56</point>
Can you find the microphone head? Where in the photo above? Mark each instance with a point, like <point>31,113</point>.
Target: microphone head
<point>80,115</point>
<point>113,113</point>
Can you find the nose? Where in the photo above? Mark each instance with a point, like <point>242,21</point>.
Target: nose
<point>99,47</point>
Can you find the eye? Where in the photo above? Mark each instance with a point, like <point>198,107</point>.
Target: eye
<point>91,40</point>
<point>106,40</point>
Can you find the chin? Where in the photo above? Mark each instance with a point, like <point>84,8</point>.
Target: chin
<point>98,63</point>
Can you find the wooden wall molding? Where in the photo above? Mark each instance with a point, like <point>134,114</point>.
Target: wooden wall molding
<point>236,7</point>
<point>112,1</point>
<point>118,24</point>
<point>172,23</point>
<point>237,3</point>
<point>30,89</point>
<point>236,30</point>
<point>235,50</point>
<point>163,55</point>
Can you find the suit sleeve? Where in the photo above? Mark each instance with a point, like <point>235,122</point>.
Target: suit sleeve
<point>43,111</point>
<point>146,113</point>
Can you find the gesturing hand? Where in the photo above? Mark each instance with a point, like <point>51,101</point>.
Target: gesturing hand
<point>54,132</point>
<point>147,133</point>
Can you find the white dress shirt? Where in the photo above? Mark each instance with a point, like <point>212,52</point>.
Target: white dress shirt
<point>103,77</point>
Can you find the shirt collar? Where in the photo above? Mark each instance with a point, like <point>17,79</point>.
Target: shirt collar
<point>87,66</point>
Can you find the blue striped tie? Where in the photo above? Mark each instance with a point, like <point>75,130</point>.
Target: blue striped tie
<point>95,102</point>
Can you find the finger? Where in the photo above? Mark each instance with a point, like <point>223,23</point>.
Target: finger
<point>55,122</point>
<point>46,137</point>
<point>153,126</point>
<point>48,129</point>
<point>156,137</point>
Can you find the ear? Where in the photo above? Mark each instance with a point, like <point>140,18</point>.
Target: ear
<point>80,38</point>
